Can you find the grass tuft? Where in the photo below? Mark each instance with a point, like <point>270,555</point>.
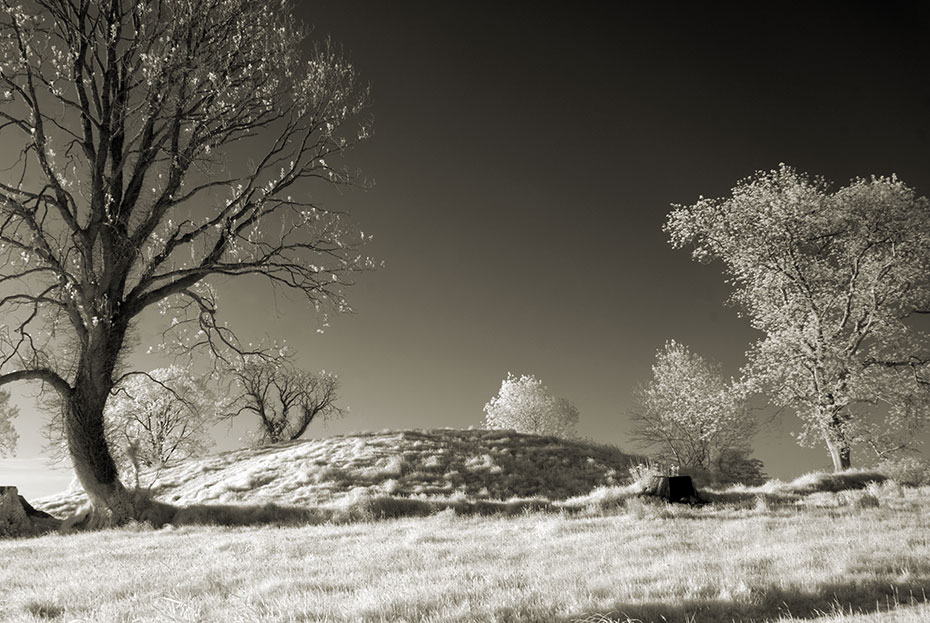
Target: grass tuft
<point>44,610</point>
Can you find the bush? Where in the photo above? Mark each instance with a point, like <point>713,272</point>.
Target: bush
<point>736,466</point>
<point>525,405</point>
<point>831,482</point>
<point>642,473</point>
<point>910,471</point>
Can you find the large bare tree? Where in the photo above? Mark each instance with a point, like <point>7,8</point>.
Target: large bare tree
<point>832,278</point>
<point>159,144</point>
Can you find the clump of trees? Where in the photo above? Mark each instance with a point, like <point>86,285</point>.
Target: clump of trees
<point>692,418</point>
<point>830,277</point>
<point>525,405</point>
<point>129,190</point>
<point>283,398</point>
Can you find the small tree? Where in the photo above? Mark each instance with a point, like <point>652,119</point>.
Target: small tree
<point>158,418</point>
<point>8,436</point>
<point>285,399</point>
<point>692,416</point>
<point>525,405</point>
<point>830,277</point>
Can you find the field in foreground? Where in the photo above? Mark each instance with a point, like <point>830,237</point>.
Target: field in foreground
<point>845,556</point>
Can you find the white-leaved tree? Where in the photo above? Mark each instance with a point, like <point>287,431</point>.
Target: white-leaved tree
<point>691,416</point>
<point>8,435</point>
<point>525,405</point>
<point>832,278</point>
<point>159,418</point>
<point>159,145</point>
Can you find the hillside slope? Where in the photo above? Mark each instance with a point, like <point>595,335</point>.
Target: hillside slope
<point>427,464</point>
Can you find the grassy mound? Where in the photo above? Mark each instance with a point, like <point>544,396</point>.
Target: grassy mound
<point>432,468</point>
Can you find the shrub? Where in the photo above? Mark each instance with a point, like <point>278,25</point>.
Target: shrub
<point>642,473</point>
<point>832,481</point>
<point>910,471</point>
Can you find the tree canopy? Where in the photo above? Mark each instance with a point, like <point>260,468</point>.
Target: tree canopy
<point>832,278</point>
<point>692,416</point>
<point>525,405</point>
<point>160,417</point>
<point>161,144</point>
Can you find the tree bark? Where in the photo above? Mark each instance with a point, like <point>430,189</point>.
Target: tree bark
<point>111,502</point>
<point>93,463</point>
<point>840,453</point>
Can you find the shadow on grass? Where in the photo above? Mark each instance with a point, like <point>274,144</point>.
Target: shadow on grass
<point>369,508</point>
<point>248,515</point>
<point>868,596</point>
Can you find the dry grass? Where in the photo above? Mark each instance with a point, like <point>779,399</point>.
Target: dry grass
<point>446,526</point>
<point>437,465</point>
<point>830,558</point>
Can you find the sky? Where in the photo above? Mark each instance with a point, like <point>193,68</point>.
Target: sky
<point>523,162</point>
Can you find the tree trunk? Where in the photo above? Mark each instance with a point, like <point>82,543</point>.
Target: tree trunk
<point>840,453</point>
<point>111,503</point>
<point>93,464</point>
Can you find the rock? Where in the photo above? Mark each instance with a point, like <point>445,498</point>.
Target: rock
<point>19,519</point>
<point>672,489</point>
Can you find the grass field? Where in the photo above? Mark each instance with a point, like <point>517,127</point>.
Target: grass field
<point>474,526</point>
<point>839,556</point>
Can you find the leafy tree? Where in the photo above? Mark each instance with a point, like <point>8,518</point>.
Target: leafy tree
<point>692,416</point>
<point>285,399</point>
<point>163,144</point>
<point>157,418</point>
<point>831,278</point>
<point>525,405</point>
<point>8,436</point>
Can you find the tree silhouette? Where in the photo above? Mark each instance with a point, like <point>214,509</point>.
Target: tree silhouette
<point>285,400</point>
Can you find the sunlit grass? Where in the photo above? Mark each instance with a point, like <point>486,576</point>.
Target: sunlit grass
<point>829,556</point>
<point>443,464</point>
<point>466,526</point>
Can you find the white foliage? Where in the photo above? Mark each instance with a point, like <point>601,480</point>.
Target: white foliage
<point>158,418</point>
<point>525,405</point>
<point>830,277</point>
<point>8,436</point>
<point>689,412</point>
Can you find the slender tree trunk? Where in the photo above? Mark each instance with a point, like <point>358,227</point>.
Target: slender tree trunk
<point>840,453</point>
<point>837,444</point>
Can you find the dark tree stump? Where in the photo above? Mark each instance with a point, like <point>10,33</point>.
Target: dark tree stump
<point>672,488</point>
<point>31,511</point>
<point>18,518</point>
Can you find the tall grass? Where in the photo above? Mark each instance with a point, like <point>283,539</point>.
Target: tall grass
<point>628,560</point>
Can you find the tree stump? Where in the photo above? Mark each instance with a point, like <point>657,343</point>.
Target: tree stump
<point>19,519</point>
<point>672,488</point>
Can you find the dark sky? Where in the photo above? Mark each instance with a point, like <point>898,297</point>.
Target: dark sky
<point>524,160</point>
